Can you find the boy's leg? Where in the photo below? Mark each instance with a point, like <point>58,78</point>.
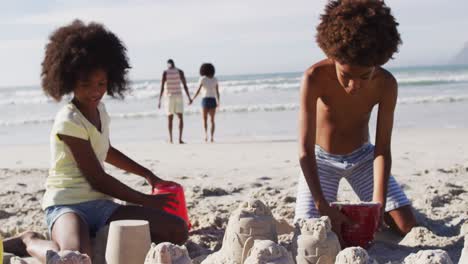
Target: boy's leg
<point>205,122</point>
<point>170,119</point>
<point>398,206</point>
<point>164,227</point>
<point>181,127</point>
<point>329,177</point>
<point>212,113</point>
<point>401,219</point>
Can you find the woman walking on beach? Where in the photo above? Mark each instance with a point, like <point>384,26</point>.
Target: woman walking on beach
<point>89,61</point>
<point>208,86</point>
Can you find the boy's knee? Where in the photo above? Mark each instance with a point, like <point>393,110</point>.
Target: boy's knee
<point>406,226</point>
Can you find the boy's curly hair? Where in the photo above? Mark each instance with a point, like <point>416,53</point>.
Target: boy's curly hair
<point>358,32</point>
<point>75,50</point>
<point>207,69</point>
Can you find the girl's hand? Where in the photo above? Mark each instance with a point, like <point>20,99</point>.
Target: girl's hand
<point>160,201</point>
<point>152,179</point>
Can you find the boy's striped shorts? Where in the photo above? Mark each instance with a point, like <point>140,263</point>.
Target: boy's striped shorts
<point>357,168</point>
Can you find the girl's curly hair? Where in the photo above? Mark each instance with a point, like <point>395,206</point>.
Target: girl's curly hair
<point>207,69</point>
<point>75,50</point>
<point>358,32</point>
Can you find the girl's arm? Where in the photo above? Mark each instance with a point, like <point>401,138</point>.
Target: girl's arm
<point>121,161</point>
<point>217,93</point>
<point>198,91</point>
<point>101,181</point>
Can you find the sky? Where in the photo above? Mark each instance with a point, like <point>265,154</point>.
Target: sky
<point>239,37</point>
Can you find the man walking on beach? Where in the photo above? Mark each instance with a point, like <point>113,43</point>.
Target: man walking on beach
<point>171,80</point>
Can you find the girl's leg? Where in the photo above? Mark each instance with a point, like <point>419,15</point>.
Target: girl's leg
<point>205,122</point>
<point>71,232</point>
<point>29,244</point>
<point>212,113</point>
<point>164,227</point>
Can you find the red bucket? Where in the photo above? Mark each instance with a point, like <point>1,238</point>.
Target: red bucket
<point>178,190</point>
<point>366,216</point>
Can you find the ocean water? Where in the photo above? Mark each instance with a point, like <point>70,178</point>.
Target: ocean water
<point>253,107</point>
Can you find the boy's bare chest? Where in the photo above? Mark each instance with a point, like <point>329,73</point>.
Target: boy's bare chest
<point>347,108</point>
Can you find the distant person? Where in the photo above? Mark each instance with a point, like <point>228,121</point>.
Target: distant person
<point>171,89</point>
<point>208,85</point>
<point>336,100</point>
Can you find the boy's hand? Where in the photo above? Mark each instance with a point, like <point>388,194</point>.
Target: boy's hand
<point>382,224</point>
<point>337,219</point>
<point>160,201</point>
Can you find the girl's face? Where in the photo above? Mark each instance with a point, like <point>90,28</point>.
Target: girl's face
<point>90,90</point>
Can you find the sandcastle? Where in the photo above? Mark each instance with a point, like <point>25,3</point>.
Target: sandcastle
<point>67,256</point>
<point>167,253</point>
<point>268,252</point>
<point>437,256</point>
<point>354,255</point>
<point>314,242</point>
<point>128,242</point>
<point>252,220</point>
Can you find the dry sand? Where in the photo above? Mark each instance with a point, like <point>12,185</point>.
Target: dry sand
<point>432,167</point>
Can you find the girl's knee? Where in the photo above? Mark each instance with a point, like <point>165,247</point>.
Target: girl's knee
<point>176,233</point>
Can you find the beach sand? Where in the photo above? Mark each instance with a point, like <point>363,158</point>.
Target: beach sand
<point>431,165</point>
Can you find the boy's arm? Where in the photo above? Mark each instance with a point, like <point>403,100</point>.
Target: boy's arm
<point>382,152</point>
<point>163,80</point>
<point>184,82</point>
<point>307,131</point>
<point>121,161</point>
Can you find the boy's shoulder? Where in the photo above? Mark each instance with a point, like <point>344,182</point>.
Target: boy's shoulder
<point>385,76</point>
<point>385,81</point>
<point>318,75</point>
<point>320,69</point>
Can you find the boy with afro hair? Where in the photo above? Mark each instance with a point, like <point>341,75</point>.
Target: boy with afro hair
<point>336,100</point>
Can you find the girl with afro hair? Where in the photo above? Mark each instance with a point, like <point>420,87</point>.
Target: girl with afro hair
<point>88,61</point>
